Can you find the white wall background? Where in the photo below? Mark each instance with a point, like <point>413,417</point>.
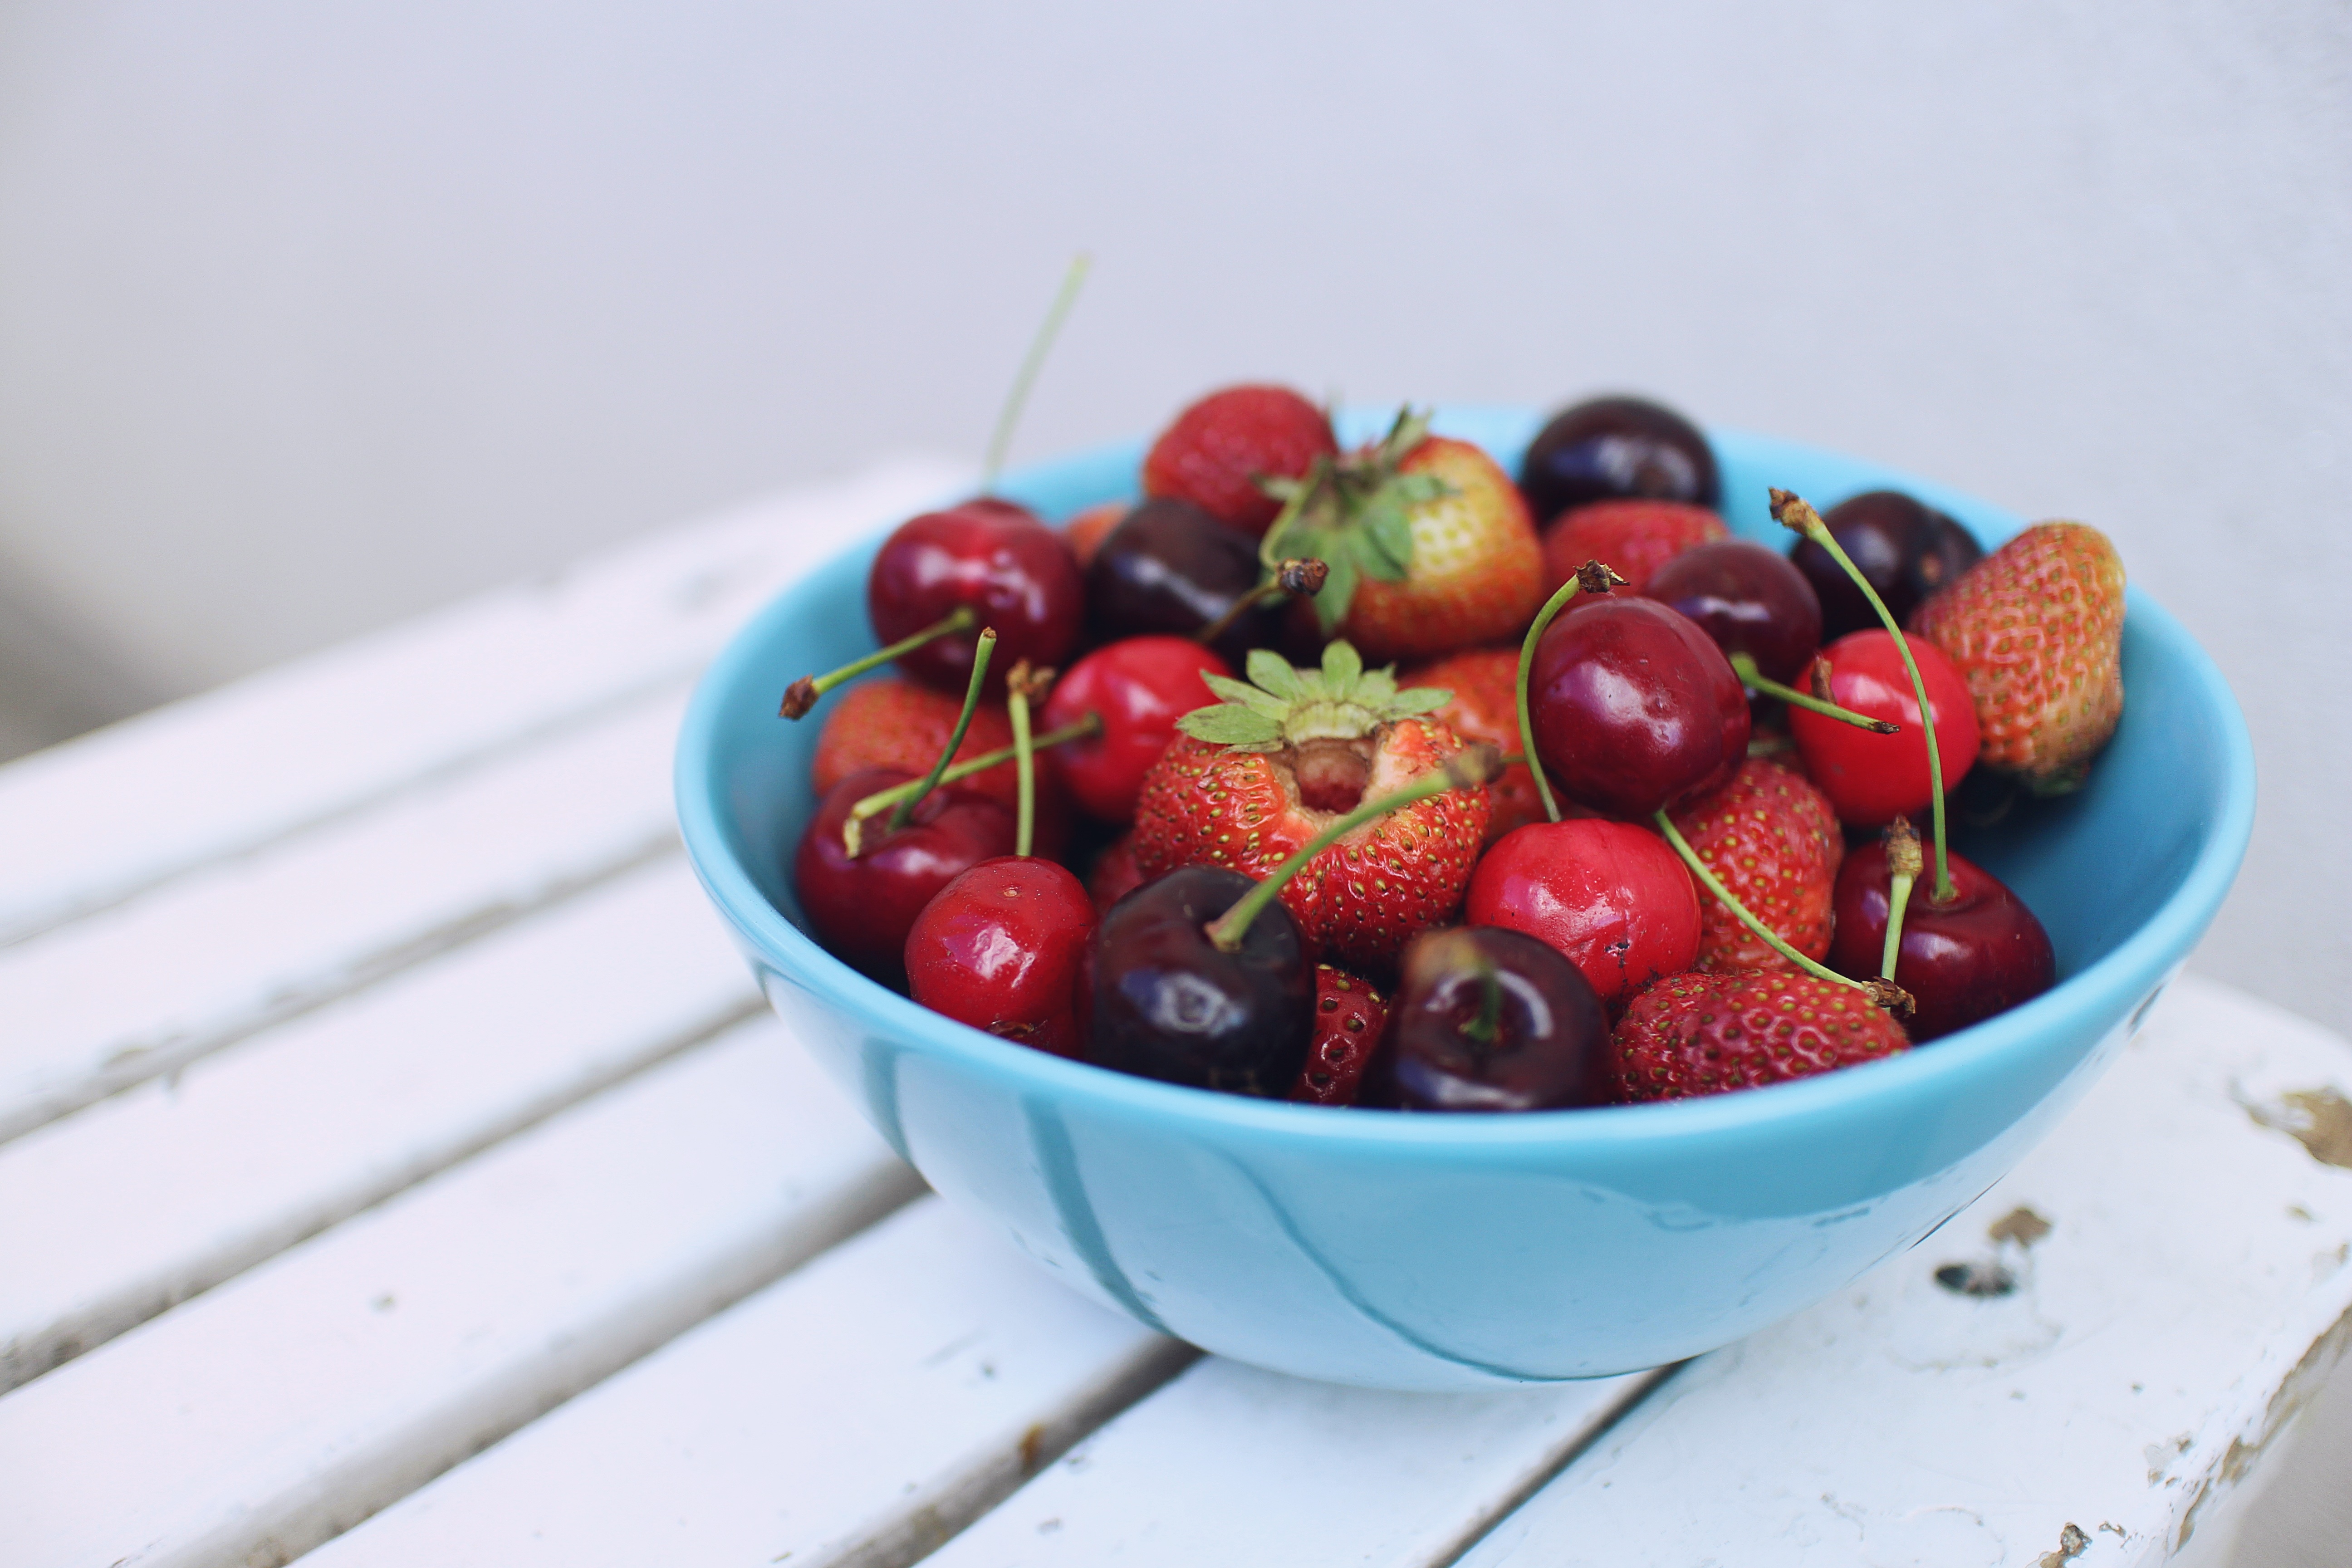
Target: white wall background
<point>313,316</point>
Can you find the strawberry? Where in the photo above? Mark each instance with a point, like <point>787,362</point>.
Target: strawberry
<point>1249,780</point>
<point>2037,630</point>
<point>1217,450</point>
<point>1484,707</point>
<point>1349,1017</point>
<point>895,724</point>
<point>1632,538</point>
<point>1772,839</point>
<point>1704,1034</point>
<point>1084,531</point>
<point>1429,544</point>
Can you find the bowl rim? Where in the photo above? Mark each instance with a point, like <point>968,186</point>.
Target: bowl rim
<point>2140,962</point>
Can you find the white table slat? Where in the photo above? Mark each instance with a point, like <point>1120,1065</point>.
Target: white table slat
<point>157,980</point>
<point>2192,1291</point>
<point>1230,1464</point>
<point>855,1413</point>
<point>116,1212</point>
<point>281,1407</point>
<point>95,820</point>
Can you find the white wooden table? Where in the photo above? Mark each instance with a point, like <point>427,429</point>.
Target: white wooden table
<point>399,1168</point>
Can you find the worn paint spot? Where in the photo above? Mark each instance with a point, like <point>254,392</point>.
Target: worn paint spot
<point>2318,1118</point>
<point>2071,1543</point>
<point>1982,1280</point>
<point>2020,1225</point>
<point>2296,1211</point>
<point>1032,1444</point>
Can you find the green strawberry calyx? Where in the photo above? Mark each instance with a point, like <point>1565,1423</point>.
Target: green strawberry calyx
<point>1354,512</point>
<point>1280,706</point>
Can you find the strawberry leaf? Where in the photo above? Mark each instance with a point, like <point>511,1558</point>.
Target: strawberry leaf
<point>1421,700</point>
<point>1338,593</point>
<point>1343,667</point>
<point>1270,671</point>
<point>1229,724</point>
<point>1248,696</point>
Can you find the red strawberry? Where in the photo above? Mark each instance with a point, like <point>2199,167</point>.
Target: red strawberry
<point>1771,838</point>
<point>1704,1034</point>
<point>1632,538</point>
<point>2037,628</point>
<point>1349,1017</point>
<point>1484,707</point>
<point>895,724</point>
<point>1428,541</point>
<point>1217,450</point>
<point>1249,781</point>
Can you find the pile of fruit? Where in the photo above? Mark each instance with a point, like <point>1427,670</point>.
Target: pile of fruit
<point>1383,794</point>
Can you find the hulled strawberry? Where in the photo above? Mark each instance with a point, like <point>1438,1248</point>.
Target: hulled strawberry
<point>1704,1034</point>
<point>1772,839</point>
<point>1349,1017</point>
<point>1632,538</point>
<point>1250,781</point>
<point>1484,707</point>
<point>1218,449</point>
<point>1429,544</point>
<point>2037,630</point>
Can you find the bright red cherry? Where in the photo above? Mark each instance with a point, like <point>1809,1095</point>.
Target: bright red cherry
<point>1139,687</point>
<point>863,907</point>
<point>1873,779</point>
<point>1002,948</point>
<point>1980,953</point>
<point>1634,708</point>
<point>1613,897</point>
<point>987,555</point>
<point>1749,599</point>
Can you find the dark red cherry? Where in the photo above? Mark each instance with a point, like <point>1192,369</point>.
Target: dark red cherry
<point>997,559</point>
<point>1980,953</point>
<point>1170,1005</point>
<point>1611,897</point>
<point>1170,569</point>
<point>1138,687</point>
<point>1634,708</point>
<point>1002,948</point>
<point>861,909</point>
<point>1613,449</point>
<point>1487,1019</point>
<point>1749,599</point>
<point>1873,779</point>
<point>1906,549</point>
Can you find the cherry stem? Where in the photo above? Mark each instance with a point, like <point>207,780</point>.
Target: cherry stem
<point>802,694</point>
<point>1019,687</point>
<point>1001,442</point>
<point>1796,514</point>
<point>883,800</point>
<point>1878,990</point>
<point>1466,769</point>
<point>1903,873</point>
<point>1299,577</point>
<point>1482,1029</point>
<point>980,656</point>
<point>1603,580</point>
<point>1744,666</point>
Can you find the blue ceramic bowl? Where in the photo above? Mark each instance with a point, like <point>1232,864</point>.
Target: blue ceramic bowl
<point>1455,1252</point>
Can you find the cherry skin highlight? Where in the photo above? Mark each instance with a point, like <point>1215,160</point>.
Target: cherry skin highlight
<point>1489,1020</point>
<point>1749,599</point>
<point>861,909</point>
<point>1978,954</point>
<point>1002,948</point>
<point>1613,898</point>
<point>1634,708</point>
<point>993,557</point>
<point>1873,779</point>
<point>1138,687</point>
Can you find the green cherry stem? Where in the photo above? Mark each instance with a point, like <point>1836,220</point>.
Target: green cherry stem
<point>1000,443</point>
<point>1482,1029</point>
<point>1796,514</point>
<point>1593,577</point>
<point>802,694</point>
<point>1744,666</point>
<point>1885,992</point>
<point>1903,869</point>
<point>883,800</point>
<point>980,653</point>
<point>1019,687</point>
<point>1466,769</point>
<point>1294,578</point>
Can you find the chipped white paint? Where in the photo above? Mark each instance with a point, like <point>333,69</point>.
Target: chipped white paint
<point>856,1412</point>
<point>269,1413</point>
<point>111,1216</point>
<point>2192,1288</point>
